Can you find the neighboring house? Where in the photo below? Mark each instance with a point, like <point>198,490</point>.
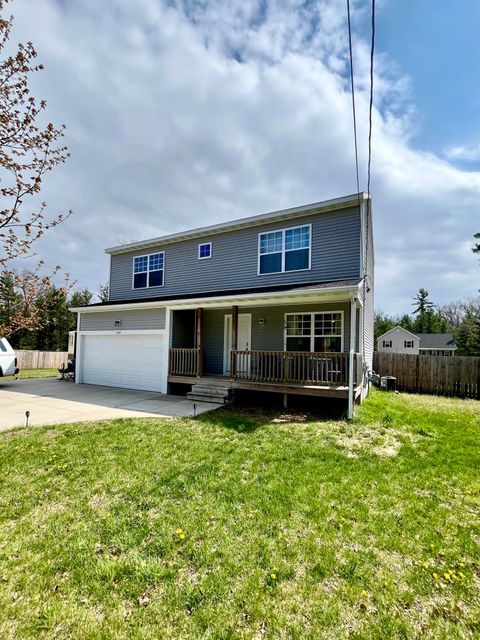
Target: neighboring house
<point>437,344</point>
<point>400,340</point>
<point>274,302</point>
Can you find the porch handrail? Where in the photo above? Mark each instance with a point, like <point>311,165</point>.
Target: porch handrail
<point>298,367</point>
<point>184,362</point>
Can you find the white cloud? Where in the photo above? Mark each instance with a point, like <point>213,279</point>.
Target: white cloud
<point>469,153</point>
<point>180,116</point>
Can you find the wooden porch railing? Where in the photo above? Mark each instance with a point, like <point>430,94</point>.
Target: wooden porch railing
<point>183,362</point>
<point>298,367</point>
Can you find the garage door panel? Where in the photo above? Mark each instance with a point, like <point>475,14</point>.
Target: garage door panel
<point>128,361</point>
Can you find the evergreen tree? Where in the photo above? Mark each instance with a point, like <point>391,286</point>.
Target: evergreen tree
<point>382,324</point>
<point>103,292</point>
<point>423,311</point>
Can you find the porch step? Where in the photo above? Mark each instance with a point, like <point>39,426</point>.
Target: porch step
<point>210,393</point>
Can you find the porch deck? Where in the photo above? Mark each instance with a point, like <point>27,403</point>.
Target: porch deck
<point>302,373</point>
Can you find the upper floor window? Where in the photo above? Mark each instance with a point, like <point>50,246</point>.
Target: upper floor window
<point>387,344</point>
<point>204,250</point>
<point>408,344</point>
<point>148,270</point>
<point>284,250</point>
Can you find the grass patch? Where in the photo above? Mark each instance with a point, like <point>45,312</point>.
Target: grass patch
<point>27,374</point>
<point>245,525</point>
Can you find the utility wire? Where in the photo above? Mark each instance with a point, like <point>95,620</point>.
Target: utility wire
<point>370,109</point>
<point>352,84</point>
<point>366,285</point>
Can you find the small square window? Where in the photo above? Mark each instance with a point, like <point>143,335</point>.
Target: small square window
<point>408,344</point>
<point>204,250</point>
<point>387,344</point>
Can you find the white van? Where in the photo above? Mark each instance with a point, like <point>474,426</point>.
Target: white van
<point>8,359</point>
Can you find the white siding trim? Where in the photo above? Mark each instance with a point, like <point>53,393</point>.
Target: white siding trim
<point>119,332</point>
<point>168,343</point>
<point>353,324</point>
<point>278,297</point>
<point>78,351</point>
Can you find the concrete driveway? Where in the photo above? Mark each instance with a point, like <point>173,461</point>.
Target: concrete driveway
<point>52,401</point>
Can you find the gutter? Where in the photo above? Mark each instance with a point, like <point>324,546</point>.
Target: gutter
<point>217,300</point>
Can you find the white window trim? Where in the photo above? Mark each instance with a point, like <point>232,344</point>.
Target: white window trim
<point>283,251</point>
<point>313,336</point>
<point>147,255</point>
<point>408,344</point>
<point>387,346</point>
<point>202,244</point>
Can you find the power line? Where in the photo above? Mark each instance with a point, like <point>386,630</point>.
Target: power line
<point>370,109</point>
<point>352,83</point>
<point>366,286</point>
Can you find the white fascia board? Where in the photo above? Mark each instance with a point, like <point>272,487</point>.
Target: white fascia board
<point>273,298</point>
<point>398,327</point>
<point>274,216</point>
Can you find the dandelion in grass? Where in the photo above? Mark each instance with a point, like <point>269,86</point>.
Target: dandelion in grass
<point>364,593</point>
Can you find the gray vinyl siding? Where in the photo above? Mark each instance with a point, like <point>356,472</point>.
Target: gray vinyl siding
<point>183,329</point>
<point>234,261</point>
<point>141,319</point>
<point>213,331</point>
<point>266,337</point>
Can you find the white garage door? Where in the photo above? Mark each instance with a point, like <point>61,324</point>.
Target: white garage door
<point>129,361</point>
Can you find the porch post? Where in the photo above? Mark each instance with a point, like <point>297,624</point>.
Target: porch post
<point>199,340</point>
<point>233,361</point>
<point>351,359</point>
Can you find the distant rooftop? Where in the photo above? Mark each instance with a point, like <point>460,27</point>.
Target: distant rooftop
<point>436,341</point>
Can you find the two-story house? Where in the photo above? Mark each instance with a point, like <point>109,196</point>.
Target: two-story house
<point>280,302</point>
<point>400,340</point>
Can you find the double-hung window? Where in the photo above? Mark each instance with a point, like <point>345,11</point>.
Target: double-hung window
<point>319,331</point>
<point>284,250</point>
<point>387,344</point>
<point>408,344</point>
<point>148,270</point>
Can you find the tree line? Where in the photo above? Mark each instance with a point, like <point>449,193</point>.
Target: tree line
<point>461,318</point>
<point>48,304</point>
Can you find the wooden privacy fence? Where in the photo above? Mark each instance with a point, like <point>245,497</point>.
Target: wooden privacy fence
<point>442,375</point>
<point>41,359</point>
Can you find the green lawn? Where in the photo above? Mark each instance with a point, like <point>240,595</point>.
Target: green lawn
<point>239,525</point>
<point>37,373</point>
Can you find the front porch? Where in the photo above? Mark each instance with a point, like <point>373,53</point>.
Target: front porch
<point>224,347</point>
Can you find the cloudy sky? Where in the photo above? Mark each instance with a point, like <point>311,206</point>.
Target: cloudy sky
<point>183,114</point>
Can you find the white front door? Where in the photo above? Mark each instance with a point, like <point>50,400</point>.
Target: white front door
<point>244,337</point>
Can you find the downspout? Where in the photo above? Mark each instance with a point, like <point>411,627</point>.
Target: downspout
<point>353,323</point>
